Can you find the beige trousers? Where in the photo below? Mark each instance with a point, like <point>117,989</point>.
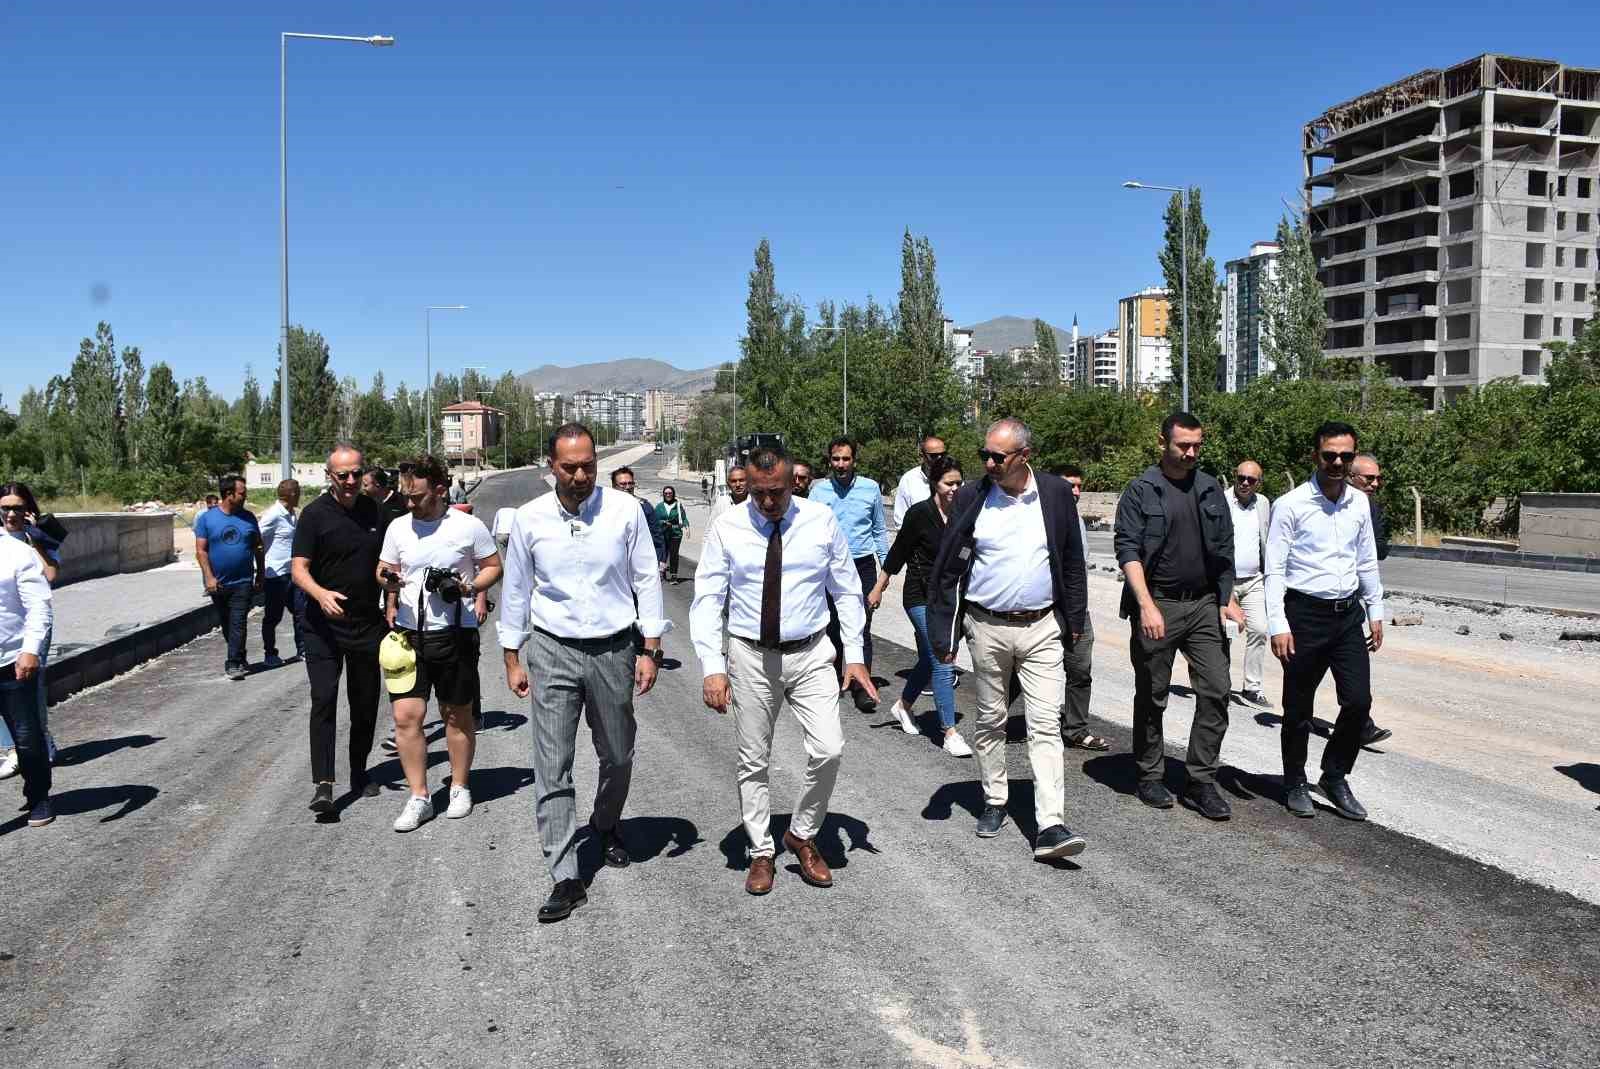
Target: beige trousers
<point>1033,653</point>
<point>761,681</point>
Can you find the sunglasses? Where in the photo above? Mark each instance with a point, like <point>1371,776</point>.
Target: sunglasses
<point>992,456</point>
<point>1247,480</point>
<point>344,476</point>
<point>1330,457</point>
<point>13,508</point>
<point>416,499</point>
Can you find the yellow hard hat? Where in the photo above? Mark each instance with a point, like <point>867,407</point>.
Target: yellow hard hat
<point>398,661</point>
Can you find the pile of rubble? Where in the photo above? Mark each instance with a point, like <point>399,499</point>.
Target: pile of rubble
<point>162,506</point>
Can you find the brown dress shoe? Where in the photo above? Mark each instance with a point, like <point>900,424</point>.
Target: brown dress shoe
<point>813,869</point>
<point>759,882</point>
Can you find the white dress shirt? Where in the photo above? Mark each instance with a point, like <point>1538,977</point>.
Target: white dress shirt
<point>25,606</point>
<point>1247,523</point>
<point>576,575</point>
<point>732,570</point>
<point>913,489</point>
<point>277,537</point>
<point>1011,571</point>
<point>1322,548</point>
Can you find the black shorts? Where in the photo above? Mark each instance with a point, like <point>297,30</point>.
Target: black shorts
<point>447,664</point>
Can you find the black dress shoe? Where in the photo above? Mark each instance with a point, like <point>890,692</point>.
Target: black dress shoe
<point>322,801</point>
<point>1372,734</point>
<point>1155,795</point>
<point>990,821</point>
<point>565,896</point>
<point>1057,841</point>
<point>1205,799</point>
<point>1337,790</point>
<point>865,703</point>
<point>1298,799</point>
<point>614,850</point>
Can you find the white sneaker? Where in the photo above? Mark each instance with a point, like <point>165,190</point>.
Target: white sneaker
<point>8,764</point>
<point>956,746</point>
<point>902,714</point>
<point>417,812</point>
<point>460,803</point>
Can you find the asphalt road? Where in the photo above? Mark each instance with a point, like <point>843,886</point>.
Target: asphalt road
<point>187,910</point>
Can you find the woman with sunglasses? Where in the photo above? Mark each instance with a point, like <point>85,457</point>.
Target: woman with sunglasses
<point>915,547</point>
<point>19,514</point>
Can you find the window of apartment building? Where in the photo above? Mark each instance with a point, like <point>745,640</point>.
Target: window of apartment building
<point>1560,293</point>
<point>1584,187</point>
<point>1458,291</point>
<point>1463,184</point>
<point>1536,220</point>
<point>1458,326</point>
<point>1460,220</point>
<point>1561,221</point>
<point>1561,256</point>
<point>1580,291</point>
<point>1536,183</point>
<point>1531,358</point>
<point>1578,327</point>
<point>1534,256</point>
<point>1561,186</point>
<point>1533,291</point>
<point>1457,362</point>
<point>1459,256</point>
<point>1555,327</point>
<point>1532,327</point>
<point>1582,221</point>
<point>1580,258</point>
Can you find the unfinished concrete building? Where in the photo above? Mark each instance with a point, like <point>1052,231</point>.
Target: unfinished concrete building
<point>1454,218</point>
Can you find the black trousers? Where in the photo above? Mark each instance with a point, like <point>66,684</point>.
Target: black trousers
<point>282,594</point>
<point>867,568</point>
<point>1078,661</point>
<point>674,541</point>
<point>233,615</point>
<point>1325,640</point>
<point>326,658</point>
<point>1193,627</point>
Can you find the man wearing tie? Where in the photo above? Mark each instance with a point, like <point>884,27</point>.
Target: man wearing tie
<point>772,564</point>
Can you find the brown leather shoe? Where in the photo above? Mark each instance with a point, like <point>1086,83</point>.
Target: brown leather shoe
<point>813,869</point>
<point>759,882</point>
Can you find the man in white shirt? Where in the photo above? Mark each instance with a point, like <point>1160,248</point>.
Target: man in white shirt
<point>433,566</point>
<point>1322,586</point>
<point>770,566</point>
<point>576,561</point>
<point>738,490</point>
<point>25,621</point>
<point>277,538</point>
<point>915,486</point>
<point>1252,515</point>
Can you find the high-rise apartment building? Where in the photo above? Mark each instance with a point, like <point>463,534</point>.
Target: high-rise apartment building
<point>1099,361</point>
<point>622,410</point>
<point>1242,360</point>
<point>1454,218</point>
<point>1144,350</point>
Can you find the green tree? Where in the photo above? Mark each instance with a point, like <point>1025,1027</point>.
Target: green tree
<point>132,400</point>
<point>1048,352</point>
<point>1294,316</point>
<point>313,393</point>
<point>247,415</point>
<point>161,432</point>
<point>96,399</point>
<point>374,423</point>
<point>763,376</point>
<point>1205,307</point>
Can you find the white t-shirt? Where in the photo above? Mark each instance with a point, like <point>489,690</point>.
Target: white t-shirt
<point>455,541</point>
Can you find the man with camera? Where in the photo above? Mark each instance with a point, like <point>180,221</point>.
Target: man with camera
<point>433,566</point>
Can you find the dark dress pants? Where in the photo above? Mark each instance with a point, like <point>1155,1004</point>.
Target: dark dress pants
<point>1193,627</point>
<point>21,702</point>
<point>674,542</point>
<point>327,657</point>
<point>282,594</point>
<point>867,568</point>
<point>1077,662</point>
<point>1325,640</point>
<point>233,613</point>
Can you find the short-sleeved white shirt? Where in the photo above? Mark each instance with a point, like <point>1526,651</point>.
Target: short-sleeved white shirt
<point>455,541</point>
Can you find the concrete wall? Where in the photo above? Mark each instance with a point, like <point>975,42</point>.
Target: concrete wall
<point>110,543</point>
<point>1567,524</point>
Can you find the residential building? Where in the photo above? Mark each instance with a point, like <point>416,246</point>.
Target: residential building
<point>1242,323</point>
<point>1100,358</point>
<point>623,410</point>
<point>471,428</point>
<point>665,411</point>
<point>1144,351</point>
<point>267,473</point>
<point>958,343</point>
<point>547,405</point>
<point>1454,217</point>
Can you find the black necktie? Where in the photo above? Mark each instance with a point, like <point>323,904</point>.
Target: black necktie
<point>772,588</point>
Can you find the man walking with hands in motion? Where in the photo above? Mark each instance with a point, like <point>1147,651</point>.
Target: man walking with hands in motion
<point>771,566</point>
<point>575,562</point>
<point>1322,587</point>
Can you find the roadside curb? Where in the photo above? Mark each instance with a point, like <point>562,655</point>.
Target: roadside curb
<point>1550,562</point>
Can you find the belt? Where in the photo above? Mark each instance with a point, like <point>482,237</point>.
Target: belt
<point>1335,605</point>
<point>1176,594</point>
<point>604,642</point>
<point>1024,616</point>
<point>794,645</point>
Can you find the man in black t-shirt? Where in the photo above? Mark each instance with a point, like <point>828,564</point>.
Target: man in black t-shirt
<point>1174,541</point>
<point>335,564</point>
<point>391,503</point>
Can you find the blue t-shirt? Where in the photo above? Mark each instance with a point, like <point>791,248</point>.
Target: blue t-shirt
<point>231,542</point>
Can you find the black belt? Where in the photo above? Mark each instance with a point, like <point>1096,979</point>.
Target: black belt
<point>1023,616</point>
<point>1176,594</point>
<point>794,645</point>
<point>1334,605</point>
<point>604,642</point>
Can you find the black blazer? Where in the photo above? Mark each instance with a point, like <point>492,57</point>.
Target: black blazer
<point>1069,576</point>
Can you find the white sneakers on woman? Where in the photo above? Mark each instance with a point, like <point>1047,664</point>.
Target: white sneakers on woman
<point>902,714</point>
<point>460,803</point>
<point>417,812</point>
<point>956,746</point>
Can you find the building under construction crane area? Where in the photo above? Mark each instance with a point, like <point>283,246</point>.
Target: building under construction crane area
<point>1455,216</point>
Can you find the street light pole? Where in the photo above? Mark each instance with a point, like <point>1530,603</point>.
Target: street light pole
<point>285,446</point>
<point>427,329</point>
<point>845,334</point>
<point>1183,230</point>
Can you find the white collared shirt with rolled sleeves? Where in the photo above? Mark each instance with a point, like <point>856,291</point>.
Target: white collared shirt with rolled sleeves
<point>732,569</point>
<point>1322,548</point>
<point>577,575</point>
<point>1011,572</point>
<point>26,612</point>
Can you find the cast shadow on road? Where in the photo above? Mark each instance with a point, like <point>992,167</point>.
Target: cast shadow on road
<point>1120,773</point>
<point>968,794</point>
<point>491,784</point>
<point>646,838</point>
<point>837,829</point>
<point>130,797</point>
<point>500,720</point>
<point>81,753</point>
<point>1586,773</point>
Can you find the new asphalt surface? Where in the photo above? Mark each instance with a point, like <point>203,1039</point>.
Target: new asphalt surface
<point>186,909</point>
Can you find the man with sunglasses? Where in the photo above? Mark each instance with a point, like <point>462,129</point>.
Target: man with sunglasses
<point>1252,515</point>
<point>916,485</point>
<point>1367,476</point>
<point>1322,589</point>
<point>335,565</point>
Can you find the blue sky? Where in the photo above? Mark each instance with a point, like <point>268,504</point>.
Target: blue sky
<point>591,178</point>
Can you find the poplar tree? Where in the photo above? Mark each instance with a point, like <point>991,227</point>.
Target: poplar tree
<point>1205,307</point>
<point>1294,317</point>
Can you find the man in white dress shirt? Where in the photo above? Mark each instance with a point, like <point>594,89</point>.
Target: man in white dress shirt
<point>575,562</point>
<point>1251,511</point>
<point>1322,587</point>
<point>915,486</point>
<point>770,563</point>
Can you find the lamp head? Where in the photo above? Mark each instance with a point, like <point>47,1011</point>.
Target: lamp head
<point>381,42</point>
<point>1133,185</point>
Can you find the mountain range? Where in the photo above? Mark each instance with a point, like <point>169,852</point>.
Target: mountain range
<point>1008,332</point>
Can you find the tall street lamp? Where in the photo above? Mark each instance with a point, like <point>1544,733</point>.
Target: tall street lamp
<point>845,334</point>
<point>1183,222</point>
<point>427,330</point>
<point>283,225</point>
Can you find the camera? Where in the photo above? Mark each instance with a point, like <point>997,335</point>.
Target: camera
<point>445,583</point>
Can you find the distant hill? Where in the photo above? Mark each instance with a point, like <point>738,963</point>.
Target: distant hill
<point>1009,332</point>
<point>634,375</point>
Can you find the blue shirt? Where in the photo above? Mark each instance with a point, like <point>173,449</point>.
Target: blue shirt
<point>231,541</point>
<point>859,510</point>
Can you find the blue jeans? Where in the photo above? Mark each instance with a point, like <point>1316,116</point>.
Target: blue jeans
<point>20,708</point>
<point>233,612</point>
<point>281,594</point>
<point>6,741</point>
<point>928,667</point>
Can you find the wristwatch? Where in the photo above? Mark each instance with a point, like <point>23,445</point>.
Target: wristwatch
<point>656,654</point>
